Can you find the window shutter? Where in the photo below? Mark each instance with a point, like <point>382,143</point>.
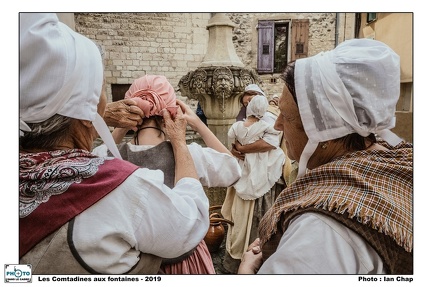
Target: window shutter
<point>300,38</point>
<point>265,47</point>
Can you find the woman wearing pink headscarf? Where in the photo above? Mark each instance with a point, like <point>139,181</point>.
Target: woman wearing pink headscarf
<point>153,93</point>
<point>151,148</point>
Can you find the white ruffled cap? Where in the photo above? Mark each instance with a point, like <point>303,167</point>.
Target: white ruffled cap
<point>257,107</point>
<point>61,72</point>
<point>255,88</point>
<point>351,89</point>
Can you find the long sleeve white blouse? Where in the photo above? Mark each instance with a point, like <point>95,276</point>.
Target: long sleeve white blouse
<point>144,215</point>
<point>141,215</point>
<point>318,244</point>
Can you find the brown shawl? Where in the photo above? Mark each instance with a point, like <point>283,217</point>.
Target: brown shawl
<point>373,188</point>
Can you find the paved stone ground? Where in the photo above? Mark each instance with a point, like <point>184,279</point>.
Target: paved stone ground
<point>216,198</point>
<point>218,258</point>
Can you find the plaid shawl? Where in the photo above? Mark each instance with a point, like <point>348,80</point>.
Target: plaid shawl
<point>375,187</point>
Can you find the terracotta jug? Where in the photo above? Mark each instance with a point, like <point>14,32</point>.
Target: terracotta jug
<point>216,232</point>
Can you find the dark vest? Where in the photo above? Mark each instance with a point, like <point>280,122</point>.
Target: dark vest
<point>158,157</point>
<point>56,254</point>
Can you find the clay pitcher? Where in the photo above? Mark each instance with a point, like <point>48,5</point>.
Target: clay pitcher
<point>216,232</point>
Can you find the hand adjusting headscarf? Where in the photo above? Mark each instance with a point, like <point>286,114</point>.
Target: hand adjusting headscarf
<point>153,93</point>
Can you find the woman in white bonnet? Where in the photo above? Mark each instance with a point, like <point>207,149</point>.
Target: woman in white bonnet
<point>260,170</point>
<point>259,173</point>
<point>80,213</point>
<point>350,209</point>
<point>239,236</point>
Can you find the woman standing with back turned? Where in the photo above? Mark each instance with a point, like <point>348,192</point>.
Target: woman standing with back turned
<point>151,147</point>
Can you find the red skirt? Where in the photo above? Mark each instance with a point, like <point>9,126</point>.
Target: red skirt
<point>199,262</point>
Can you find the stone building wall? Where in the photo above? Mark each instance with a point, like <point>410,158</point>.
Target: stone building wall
<point>322,31</point>
<point>173,44</point>
<point>136,44</point>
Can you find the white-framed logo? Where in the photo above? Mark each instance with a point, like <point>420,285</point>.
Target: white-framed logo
<point>18,273</point>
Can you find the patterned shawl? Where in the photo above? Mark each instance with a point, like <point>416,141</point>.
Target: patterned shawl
<point>51,173</point>
<point>374,187</point>
<point>56,186</point>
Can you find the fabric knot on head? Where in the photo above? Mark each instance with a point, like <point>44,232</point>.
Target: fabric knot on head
<point>153,93</point>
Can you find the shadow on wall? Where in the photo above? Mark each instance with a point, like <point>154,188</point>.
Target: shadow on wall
<point>404,126</point>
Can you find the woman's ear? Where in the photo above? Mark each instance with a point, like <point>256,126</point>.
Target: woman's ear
<point>86,123</point>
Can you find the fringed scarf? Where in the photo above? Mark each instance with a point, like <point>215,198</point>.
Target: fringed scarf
<point>56,186</point>
<point>374,187</point>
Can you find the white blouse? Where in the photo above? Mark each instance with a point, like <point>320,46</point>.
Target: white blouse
<point>141,215</point>
<point>271,138</point>
<point>260,170</point>
<point>317,244</point>
<point>144,215</point>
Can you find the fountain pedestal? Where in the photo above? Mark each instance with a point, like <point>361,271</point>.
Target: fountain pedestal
<point>220,79</point>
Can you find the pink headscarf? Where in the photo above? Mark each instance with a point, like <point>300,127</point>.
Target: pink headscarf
<point>152,94</point>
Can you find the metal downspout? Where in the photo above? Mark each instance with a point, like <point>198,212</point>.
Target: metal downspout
<point>337,30</point>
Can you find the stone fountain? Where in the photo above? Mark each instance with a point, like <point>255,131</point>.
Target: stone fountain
<point>220,79</point>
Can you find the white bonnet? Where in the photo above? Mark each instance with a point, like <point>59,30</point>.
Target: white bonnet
<point>351,89</point>
<point>257,107</point>
<point>61,72</point>
<point>255,88</point>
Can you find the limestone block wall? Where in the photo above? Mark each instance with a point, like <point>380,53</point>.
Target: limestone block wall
<point>136,44</point>
<point>173,44</point>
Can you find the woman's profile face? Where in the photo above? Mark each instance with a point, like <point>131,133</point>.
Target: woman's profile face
<point>248,97</point>
<point>289,122</point>
<point>102,101</point>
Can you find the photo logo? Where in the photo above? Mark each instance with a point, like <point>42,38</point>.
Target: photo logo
<point>18,273</point>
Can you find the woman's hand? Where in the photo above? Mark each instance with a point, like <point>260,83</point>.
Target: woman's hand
<point>251,259</point>
<point>197,125</point>
<point>235,152</point>
<point>192,119</point>
<point>175,128</point>
<point>257,146</point>
<point>123,114</point>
